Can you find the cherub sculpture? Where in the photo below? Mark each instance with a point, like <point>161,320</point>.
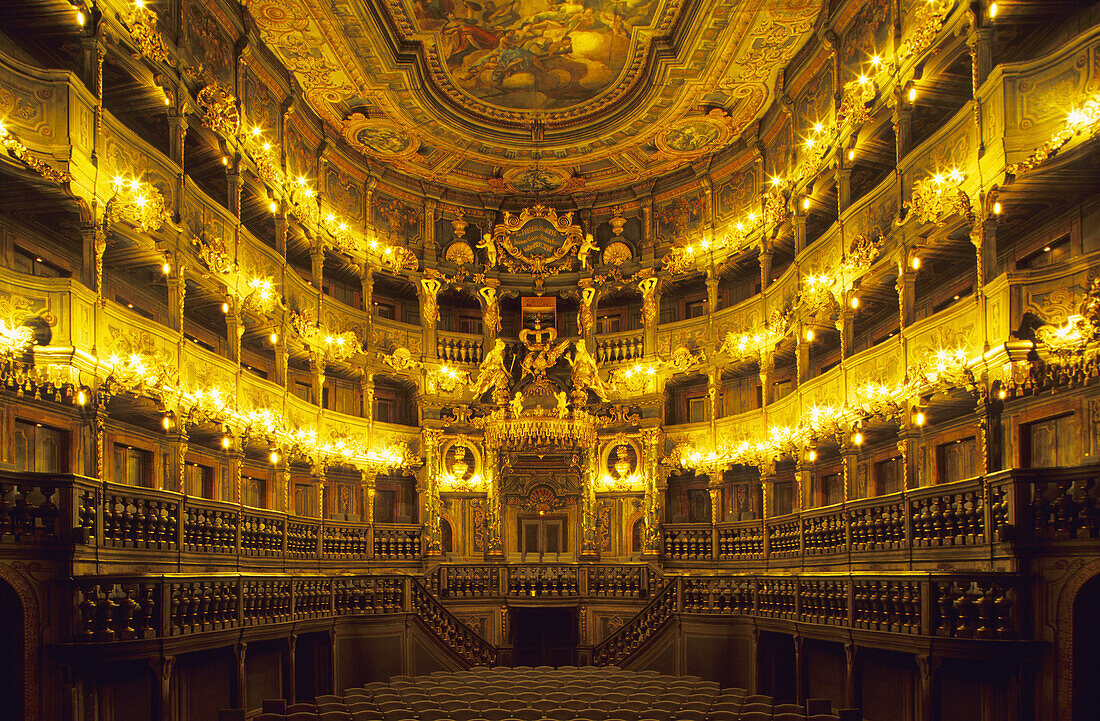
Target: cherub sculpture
<point>517,404</point>
<point>489,245</point>
<point>563,404</point>
<point>587,246</point>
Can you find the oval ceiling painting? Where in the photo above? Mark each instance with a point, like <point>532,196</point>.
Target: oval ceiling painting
<point>534,54</point>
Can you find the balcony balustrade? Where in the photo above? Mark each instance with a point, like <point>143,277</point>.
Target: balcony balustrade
<point>982,606</point>
<point>621,581</point>
<point>976,517</point>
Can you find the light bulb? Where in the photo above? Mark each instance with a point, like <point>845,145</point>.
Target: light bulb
<point>225,307</point>
<point>915,263</point>
<point>274,337</point>
<point>167,267</point>
<point>166,421</point>
<point>993,10</point>
<point>273,206</point>
<point>227,441</point>
<point>810,334</point>
<point>919,418</point>
<point>852,154</point>
<point>274,456</point>
<point>997,208</point>
<point>80,17</point>
<point>857,438</point>
<point>82,397</point>
<point>812,455</point>
<point>854,302</point>
<point>805,203</point>
<point>225,160</point>
<point>913,94</point>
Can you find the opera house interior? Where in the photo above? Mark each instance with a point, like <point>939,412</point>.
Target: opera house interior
<point>567,360</point>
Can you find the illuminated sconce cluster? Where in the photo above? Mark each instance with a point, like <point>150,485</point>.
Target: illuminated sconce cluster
<point>15,341</point>
<point>137,203</point>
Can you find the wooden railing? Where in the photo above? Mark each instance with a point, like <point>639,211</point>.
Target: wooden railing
<point>123,608</point>
<point>85,513</point>
<point>959,606</point>
<point>456,635</point>
<point>459,347</point>
<point>639,630</point>
<point>977,516</point>
<point>619,347</point>
<point>476,581</point>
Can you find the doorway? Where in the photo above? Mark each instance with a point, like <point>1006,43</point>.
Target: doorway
<point>1086,650</point>
<point>544,636</point>
<point>11,654</point>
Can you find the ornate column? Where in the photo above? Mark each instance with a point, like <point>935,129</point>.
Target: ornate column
<point>494,510</point>
<point>233,180</point>
<point>802,356</point>
<point>234,329</point>
<point>428,290</point>
<point>849,465</point>
<point>366,394</point>
<point>843,182</point>
<point>799,671</point>
<point>433,545</point>
<point>366,281</point>
<point>164,670</point>
<point>317,375</point>
<point>490,311</point>
<point>586,313</point>
<point>236,492</point>
<point>367,478</point>
<point>767,365</point>
<point>282,495</point>
<point>291,670</point>
<point>799,221</point>
<point>906,285</point>
<point>175,473</point>
<point>98,419</point>
<point>590,549</point>
<point>282,357</point>
<point>845,323</point>
<point>177,292</point>
<point>903,122</point>
<point>240,688</point>
<point>651,443</point>
<point>926,700</point>
<point>280,230</point>
<point>765,267</point>
<point>651,300</point>
<point>851,676</point>
<point>992,433</point>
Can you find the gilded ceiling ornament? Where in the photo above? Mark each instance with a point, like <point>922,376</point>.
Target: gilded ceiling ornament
<point>214,252</point>
<point>336,346</point>
<point>1079,331</point>
<point>854,110</point>
<point>141,21</point>
<point>679,259</point>
<point>537,428</point>
<point>19,151</point>
<point>15,341</point>
<point>459,253</point>
<point>938,197</point>
<point>380,138</point>
<point>1080,121</point>
<point>926,26</point>
<point>219,110</point>
<point>617,253</point>
<point>537,241</point>
<point>137,203</point>
<point>697,135</point>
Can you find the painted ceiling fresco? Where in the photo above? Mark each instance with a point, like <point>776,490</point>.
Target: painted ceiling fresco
<point>536,95</point>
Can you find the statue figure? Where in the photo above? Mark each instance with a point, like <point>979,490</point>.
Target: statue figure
<point>541,358</point>
<point>586,374</point>
<point>489,245</point>
<point>563,404</point>
<point>492,374</point>
<point>517,404</point>
<point>587,246</point>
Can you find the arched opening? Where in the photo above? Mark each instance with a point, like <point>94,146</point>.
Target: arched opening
<point>637,536</point>
<point>446,534</point>
<point>11,655</point>
<point>1086,649</point>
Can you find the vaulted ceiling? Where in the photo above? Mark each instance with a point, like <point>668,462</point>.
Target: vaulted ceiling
<point>537,96</point>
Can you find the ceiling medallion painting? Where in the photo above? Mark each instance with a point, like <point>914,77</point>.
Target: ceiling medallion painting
<point>536,54</point>
<point>556,92</point>
<point>380,138</point>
